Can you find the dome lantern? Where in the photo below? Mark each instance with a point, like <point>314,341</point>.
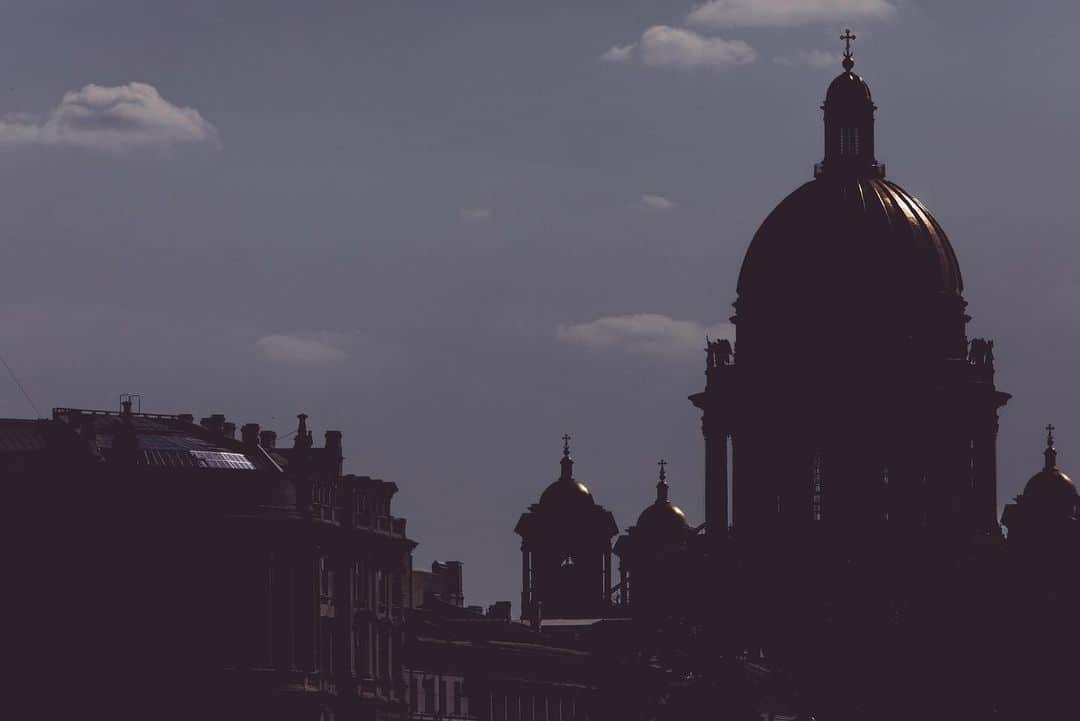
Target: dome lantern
<point>849,123</point>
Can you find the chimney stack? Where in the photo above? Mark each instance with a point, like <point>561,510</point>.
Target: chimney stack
<point>185,418</point>
<point>215,423</point>
<point>249,434</point>
<point>228,429</point>
<point>333,441</point>
<point>267,439</point>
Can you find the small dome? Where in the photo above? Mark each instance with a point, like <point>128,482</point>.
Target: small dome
<point>565,493</point>
<point>848,88</point>
<point>1050,487</point>
<point>662,518</point>
<point>1050,484</point>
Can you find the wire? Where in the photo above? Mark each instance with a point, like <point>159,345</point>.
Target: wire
<point>20,385</point>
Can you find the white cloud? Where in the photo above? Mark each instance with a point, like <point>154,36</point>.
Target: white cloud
<point>301,348</point>
<point>786,13</point>
<point>657,202</point>
<point>619,53</point>
<point>125,117</point>
<point>812,58</point>
<point>475,214</point>
<point>663,46</point>
<point>643,333</point>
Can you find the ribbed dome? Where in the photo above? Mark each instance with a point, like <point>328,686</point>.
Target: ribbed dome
<point>844,234</point>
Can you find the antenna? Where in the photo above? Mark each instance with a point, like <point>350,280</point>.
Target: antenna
<point>20,385</point>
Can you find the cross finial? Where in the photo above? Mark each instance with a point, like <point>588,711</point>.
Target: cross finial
<point>663,469</point>
<point>847,37</point>
<point>1050,454</point>
<point>848,62</point>
<point>566,444</point>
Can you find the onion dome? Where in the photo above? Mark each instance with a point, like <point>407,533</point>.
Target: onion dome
<point>1050,487</point>
<point>566,492</point>
<point>662,518</point>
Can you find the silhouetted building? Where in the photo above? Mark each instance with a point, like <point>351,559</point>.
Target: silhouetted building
<point>566,550</point>
<point>444,582</point>
<point>218,578</point>
<point>655,558</point>
<point>463,664</point>
<point>851,549</point>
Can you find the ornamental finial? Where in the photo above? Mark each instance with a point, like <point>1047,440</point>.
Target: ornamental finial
<point>567,463</point>
<point>848,61</point>
<point>662,485</point>
<point>1050,454</point>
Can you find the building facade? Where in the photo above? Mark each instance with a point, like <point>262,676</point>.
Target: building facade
<point>216,577</point>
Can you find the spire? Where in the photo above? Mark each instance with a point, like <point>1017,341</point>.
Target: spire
<point>1050,454</point>
<point>567,463</point>
<point>849,59</point>
<point>662,484</point>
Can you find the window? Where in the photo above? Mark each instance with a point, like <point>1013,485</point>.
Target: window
<point>816,486</point>
<point>442,697</point>
<point>414,694</point>
<point>457,698</point>
<point>849,142</point>
<point>326,577</point>
<point>327,665</point>
<point>363,652</point>
<point>429,695</point>
<point>527,708</point>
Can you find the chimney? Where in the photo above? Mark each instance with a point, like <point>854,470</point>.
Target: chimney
<point>228,429</point>
<point>185,418</point>
<point>499,610</point>
<point>215,423</point>
<point>333,441</point>
<point>249,434</point>
<point>455,586</point>
<point>267,439</point>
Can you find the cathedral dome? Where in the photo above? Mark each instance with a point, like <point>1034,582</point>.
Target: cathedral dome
<point>849,233</point>
<point>845,233</point>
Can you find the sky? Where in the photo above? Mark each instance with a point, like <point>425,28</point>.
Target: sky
<point>457,230</point>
